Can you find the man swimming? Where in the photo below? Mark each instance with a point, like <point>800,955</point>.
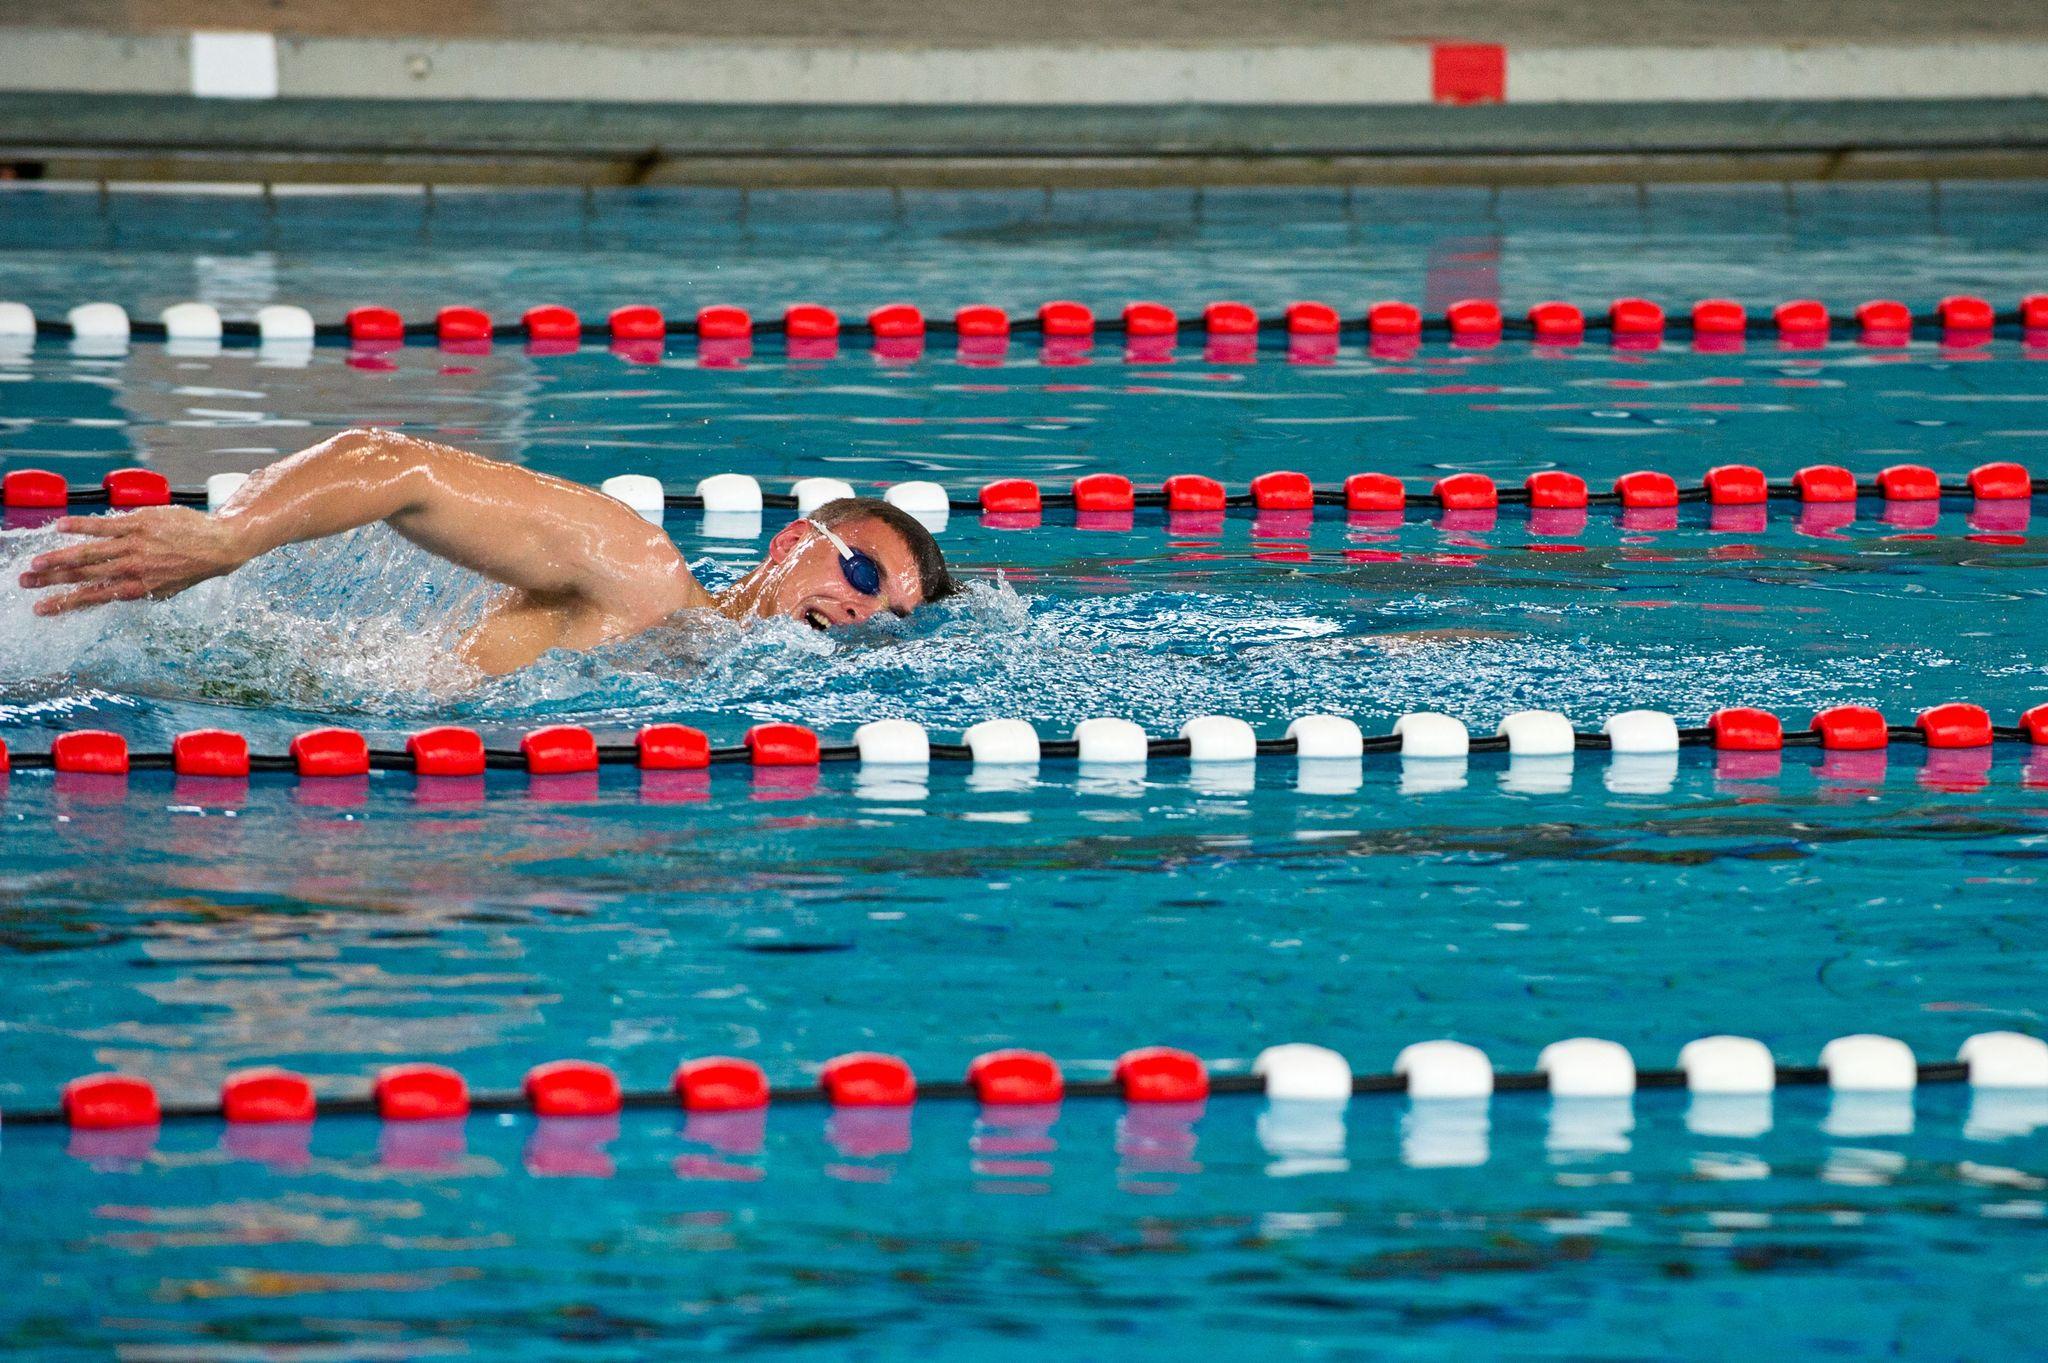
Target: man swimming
<point>578,567</point>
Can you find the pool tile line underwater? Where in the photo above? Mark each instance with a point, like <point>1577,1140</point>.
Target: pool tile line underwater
<point>567,749</point>
<point>898,330</point>
<point>1151,1076</point>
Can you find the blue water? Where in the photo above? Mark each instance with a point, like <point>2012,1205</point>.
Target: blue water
<point>182,930</point>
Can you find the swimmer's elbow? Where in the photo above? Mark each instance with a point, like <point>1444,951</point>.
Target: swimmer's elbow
<point>391,459</point>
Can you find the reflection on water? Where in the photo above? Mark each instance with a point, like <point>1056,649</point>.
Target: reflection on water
<point>1004,1233</point>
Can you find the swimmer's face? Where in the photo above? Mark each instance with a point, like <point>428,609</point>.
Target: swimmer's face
<point>807,582</point>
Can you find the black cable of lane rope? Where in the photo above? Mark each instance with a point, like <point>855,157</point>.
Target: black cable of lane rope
<point>1232,1085</point>
<point>1055,500</point>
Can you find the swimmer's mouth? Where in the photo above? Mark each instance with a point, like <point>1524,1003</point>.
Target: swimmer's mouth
<point>815,618</point>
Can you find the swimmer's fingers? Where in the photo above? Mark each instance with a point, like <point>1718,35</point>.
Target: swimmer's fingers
<point>98,527</point>
<point>73,563</point>
<point>97,594</point>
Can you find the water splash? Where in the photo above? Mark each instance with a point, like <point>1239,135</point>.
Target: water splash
<point>362,630</point>
<point>364,622</point>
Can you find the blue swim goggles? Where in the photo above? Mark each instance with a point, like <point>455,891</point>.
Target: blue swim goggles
<point>863,574</point>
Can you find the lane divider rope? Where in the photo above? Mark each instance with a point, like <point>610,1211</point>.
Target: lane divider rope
<point>2001,491</point>
<point>564,749</point>
<point>1579,1067</point>
<point>1392,328</point>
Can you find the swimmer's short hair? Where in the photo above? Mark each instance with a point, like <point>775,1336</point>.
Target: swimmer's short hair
<point>933,579</point>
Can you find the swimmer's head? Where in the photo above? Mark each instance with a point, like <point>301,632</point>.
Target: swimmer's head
<point>819,570</point>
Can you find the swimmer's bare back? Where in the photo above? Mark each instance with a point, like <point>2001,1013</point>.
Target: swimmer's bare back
<point>578,567</point>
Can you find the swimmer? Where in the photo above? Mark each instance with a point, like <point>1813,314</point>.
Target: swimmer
<point>579,568</point>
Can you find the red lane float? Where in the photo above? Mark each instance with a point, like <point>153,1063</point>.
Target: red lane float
<point>37,489</point>
<point>810,322</point>
<point>720,1083</point>
<point>420,1093</point>
<point>210,752</point>
<point>1012,496</point>
<point>1161,1074</point>
<point>1193,492</point>
<point>1736,485</point>
<point>553,324</point>
<point>267,1094</point>
<point>1955,725</point>
<point>1391,320</point>
<point>1103,492</point>
<point>1474,321</point>
<point>559,750</point>
<point>1965,313</point>
<point>1824,483</point>
<point>981,321</point>
<point>1312,319</point>
<point>1719,317</point>
<point>2034,721</point>
<point>94,752</point>
<point>1885,321</point>
<point>724,322</point>
<point>1851,728</point>
<point>330,752</point>
<point>572,1088</point>
<point>2000,482</point>
<point>462,326</point>
<point>1283,490</point>
<point>1555,490</point>
<point>672,747</point>
<point>106,1102</point>
<point>1150,319</point>
<point>867,1079</point>
<point>1635,319</point>
<point>1556,323</point>
<point>1230,319</point>
<point>136,487</point>
<point>1742,729</point>
<point>897,322</point>
<point>447,751</point>
<point>1646,488</point>
<point>782,745</point>
<point>1016,1077</point>
<point>638,322</point>
<point>1802,319</point>
<point>1375,492</point>
<point>1909,483</point>
<point>374,325</point>
<point>1062,317</point>
<point>1466,492</point>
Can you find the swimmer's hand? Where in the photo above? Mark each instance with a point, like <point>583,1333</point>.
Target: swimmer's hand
<point>156,552</point>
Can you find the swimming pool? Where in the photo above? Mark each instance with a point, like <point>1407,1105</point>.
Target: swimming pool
<point>181,931</point>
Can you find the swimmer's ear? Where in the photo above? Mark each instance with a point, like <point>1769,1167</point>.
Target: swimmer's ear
<point>786,541</point>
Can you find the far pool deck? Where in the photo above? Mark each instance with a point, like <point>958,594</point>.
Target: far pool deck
<point>1009,92</point>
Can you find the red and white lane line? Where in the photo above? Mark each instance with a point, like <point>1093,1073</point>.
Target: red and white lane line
<point>1557,501</point>
<point>1229,331</point>
<point>1958,737</point>
<point>1017,1084</point>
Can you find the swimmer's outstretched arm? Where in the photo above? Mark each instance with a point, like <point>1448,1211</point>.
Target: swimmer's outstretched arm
<point>558,543</point>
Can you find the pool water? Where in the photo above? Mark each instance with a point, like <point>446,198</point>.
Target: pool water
<point>183,929</point>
